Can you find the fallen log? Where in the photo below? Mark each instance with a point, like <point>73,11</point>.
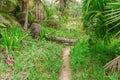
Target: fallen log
<point>63,40</point>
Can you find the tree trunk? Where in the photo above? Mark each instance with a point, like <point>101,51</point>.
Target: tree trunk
<point>26,16</point>
<point>62,4</point>
<point>39,13</point>
<point>23,4</point>
<point>1,3</point>
<point>45,8</point>
<point>36,11</point>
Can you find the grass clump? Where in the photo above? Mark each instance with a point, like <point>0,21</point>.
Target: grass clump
<point>12,38</point>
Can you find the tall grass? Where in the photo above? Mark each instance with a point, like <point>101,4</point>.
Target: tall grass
<point>12,37</point>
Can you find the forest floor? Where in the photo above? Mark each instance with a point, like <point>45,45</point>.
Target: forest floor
<point>40,59</point>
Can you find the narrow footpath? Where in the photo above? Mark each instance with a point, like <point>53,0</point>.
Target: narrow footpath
<point>65,73</point>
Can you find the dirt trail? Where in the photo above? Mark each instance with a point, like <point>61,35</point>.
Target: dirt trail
<point>65,70</point>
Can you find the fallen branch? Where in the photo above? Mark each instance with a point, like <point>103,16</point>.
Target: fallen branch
<point>63,40</point>
<point>113,65</point>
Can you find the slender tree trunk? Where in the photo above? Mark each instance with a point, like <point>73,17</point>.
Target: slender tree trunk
<point>62,4</point>
<point>1,4</point>
<point>39,13</point>
<point>22,5</point>
<point>26,16</point>
<point>36,11</point>
<point>45,8</point>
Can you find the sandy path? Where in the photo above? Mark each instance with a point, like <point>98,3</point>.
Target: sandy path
<point>65,70</point>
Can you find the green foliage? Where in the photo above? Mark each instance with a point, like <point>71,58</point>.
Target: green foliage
<point>13,2</point>
<point>2,26</point>
<point>87,60</point>
<point>31,17</point>
<point>52,10</point>
<point>78,58</point>
<point>92,11</point>
<point>101,17</point>
<point>112,18</point>
<point>92,14</point>
<point>12,37</point>
<point>7,16</point>
<point>37,61</point>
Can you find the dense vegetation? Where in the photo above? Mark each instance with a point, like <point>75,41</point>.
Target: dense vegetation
<point>88,57</point>
<point>87,61</point>
<point>33,34</point>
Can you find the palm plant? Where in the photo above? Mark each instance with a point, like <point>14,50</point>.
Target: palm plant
<point>101,17</point>
<point>112,21</point>
<point>92,14</point>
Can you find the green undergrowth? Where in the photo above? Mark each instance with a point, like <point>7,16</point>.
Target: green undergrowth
<point>34,59</point>
<point>87,60</point>
<point>37,60</point>
<point>63,32</point>
<point>12,38</point>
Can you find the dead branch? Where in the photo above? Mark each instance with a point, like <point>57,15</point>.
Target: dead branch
<point>113,65</point>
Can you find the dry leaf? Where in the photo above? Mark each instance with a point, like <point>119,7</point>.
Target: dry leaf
<point>9,61</point>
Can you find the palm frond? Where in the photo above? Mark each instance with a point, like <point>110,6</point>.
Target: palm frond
<point>113,65</point>
<point>112,17</point>
<point>102,17</point>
